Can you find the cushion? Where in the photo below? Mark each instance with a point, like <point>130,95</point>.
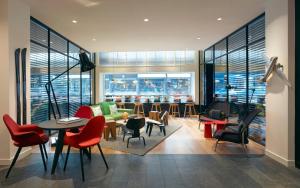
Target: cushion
<point>105,107</point>
<point>97,110</point>
<point>113,109</point>
<point>216,114</point>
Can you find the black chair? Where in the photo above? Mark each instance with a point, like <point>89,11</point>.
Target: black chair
<point>132,128</point>
<point>237,133</point>
<point>215,111</point>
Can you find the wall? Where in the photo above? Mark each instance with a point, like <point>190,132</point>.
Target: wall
<point>194,68</point>
<point>280,111</point>
<point>14,33</point>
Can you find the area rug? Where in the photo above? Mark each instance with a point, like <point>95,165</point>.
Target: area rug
<point>136,146</point>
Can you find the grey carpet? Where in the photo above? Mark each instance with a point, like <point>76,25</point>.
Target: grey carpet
<point>136,146</point>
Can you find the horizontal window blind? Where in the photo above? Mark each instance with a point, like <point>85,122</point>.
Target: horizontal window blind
<point>208,54</point>
<point>38,79</point>
<point>220,78</point>
<point>237,40</point>
<point>256,30</point>
<point>52,54</point>
<point>58,64</point>
<point>257,62</point>
<point>74,87</point>
<point>237,76</point>
<point>244,56</point>
<point>220,48</point>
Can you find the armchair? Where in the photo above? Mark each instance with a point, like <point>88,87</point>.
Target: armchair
<point>237,133</point>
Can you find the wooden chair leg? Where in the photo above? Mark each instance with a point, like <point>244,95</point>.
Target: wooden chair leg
<point>81,164</point>
<point>99,147</point>
<point>43,157</point>
<point>14,161</point>
<point>67,157</point>
<point>216,145</point>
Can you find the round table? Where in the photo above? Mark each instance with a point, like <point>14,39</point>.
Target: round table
<point>61,128</point>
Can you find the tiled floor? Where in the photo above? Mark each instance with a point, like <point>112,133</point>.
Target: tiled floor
<point>185,159</point>
<point>155,171</point>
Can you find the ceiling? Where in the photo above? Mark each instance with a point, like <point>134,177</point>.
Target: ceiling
<point>118,25</point>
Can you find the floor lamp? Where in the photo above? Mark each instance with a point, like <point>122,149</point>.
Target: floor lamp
<point>86,65</point>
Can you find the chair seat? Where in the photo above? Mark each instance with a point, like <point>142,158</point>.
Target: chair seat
<point>229,135</point>
<point>32,141</point>
<point>72,140</point>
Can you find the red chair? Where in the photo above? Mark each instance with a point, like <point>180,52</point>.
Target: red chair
<point>90,135</point>
<point>84,112</point>
<point>24,136</point>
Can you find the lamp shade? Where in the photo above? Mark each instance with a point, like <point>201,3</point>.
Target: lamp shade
<point>86,64</point>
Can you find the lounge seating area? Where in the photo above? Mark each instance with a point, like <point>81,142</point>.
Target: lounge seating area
<point>135,93</point>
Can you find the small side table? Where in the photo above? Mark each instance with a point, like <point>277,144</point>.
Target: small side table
<point>207,129</point>
<point>110,128</point>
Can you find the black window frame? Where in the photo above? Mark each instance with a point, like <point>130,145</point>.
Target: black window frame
<point>67,55</point>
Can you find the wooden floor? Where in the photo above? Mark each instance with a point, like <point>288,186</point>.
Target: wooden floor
<point>190,140</point>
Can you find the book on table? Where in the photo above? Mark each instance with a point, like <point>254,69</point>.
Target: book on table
<point>68,120</point>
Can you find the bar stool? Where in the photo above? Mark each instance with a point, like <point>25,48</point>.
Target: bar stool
<point>156,107</point>
<point>120,105</point>
<point>139,108</point>
<point>189,109</point>
<point>174,110</point>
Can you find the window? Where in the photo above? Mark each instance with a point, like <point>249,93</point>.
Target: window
<point>239,61</point>
<point>159,84</point>
<point>51,54</point>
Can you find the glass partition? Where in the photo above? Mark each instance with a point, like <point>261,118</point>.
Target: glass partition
<point>151,84</point>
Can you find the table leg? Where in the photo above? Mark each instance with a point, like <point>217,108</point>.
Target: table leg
<point>207,130</point>
<point>58,149</point>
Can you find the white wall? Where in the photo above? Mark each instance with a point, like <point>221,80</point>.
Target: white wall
<point>280,111</point>
<point>14,33</point>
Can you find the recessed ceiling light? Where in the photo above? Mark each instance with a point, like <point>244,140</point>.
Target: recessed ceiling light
<point>93,39</point>
<point>146,20</point>
<point>220,19</point>
<point>198,38</point>
<point>74,21</point>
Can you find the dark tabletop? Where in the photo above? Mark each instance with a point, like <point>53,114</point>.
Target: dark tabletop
<point>53,125</point>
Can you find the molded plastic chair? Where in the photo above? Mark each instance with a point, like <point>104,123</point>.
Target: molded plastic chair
<point>132,128</point>
<point>24,136</point>
<point>89,135</point>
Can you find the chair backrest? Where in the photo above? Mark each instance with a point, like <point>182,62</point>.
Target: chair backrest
<point>243,126</point>
<point>11,125</point>
<point>218,105</point>
<point>164,118</point>
<point>84,112</point>
<point>135,123</point>
<point>93,129</point>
